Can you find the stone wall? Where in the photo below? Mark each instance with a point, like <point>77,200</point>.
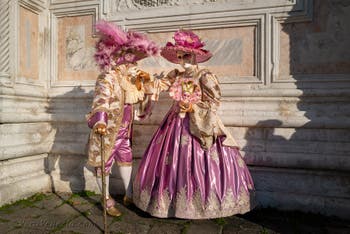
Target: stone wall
<point>26,133</point>
<point>284,72</point>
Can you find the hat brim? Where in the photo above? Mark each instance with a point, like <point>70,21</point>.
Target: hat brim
<point>169,52</point>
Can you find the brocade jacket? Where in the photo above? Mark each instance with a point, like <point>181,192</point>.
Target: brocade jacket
<point>113,89</point>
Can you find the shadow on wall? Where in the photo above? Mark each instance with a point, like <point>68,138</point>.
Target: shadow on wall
<point>303,161</point>
<point>68,155</point>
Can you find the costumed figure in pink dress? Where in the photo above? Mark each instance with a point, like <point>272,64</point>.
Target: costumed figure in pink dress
<point>192,167</point>
<point>117,89</point>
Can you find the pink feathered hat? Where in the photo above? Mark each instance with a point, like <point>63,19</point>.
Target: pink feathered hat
<point>117,47</point>
<point>188,42</point>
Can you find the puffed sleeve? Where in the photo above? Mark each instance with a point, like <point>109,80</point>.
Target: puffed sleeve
<point>101,100</point>
<point>203,118</point>
<point>210,88</point>
<point>204,121</point>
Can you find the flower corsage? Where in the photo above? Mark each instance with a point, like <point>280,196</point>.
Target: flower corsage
<point>186,92</point>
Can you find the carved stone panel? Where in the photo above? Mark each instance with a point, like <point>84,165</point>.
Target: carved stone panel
<point>125,5</point>
<point>234,52</point>
<point>76,49</point>
<point>313,49</point>
<point>318,47</point>
<point>122,5</point>
<point>29,41</point>
<point>4,39</point>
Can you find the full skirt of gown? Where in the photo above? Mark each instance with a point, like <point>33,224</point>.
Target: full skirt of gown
<point>178,178</point>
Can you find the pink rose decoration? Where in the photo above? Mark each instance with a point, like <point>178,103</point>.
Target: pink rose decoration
<point>187,39</point>
<point>185,90</point>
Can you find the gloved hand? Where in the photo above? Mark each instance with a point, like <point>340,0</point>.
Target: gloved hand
<point>100,128</point>
<point>172,75</point>
<point>185,106</point>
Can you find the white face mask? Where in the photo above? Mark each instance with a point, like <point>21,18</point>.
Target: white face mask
<point>187,65</point>
<point>133,71</point>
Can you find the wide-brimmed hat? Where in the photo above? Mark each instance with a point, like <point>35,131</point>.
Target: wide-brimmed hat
<point>188,42</point>
<point>117,46</point>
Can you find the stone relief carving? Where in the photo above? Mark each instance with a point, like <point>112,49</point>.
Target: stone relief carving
<point>78,56</point>
<point>120,5</point>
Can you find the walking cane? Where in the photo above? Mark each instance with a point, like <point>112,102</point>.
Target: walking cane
<point>103,185</point>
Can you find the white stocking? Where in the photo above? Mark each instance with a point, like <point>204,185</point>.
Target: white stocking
<point>99,183</point>
<point>125,173</point>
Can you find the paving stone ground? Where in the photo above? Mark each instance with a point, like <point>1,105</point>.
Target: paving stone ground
<point>82,213</point>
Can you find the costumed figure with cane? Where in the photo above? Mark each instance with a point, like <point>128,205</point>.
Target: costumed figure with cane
<point>118,88</point>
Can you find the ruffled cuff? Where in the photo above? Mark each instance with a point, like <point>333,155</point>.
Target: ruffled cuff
<point>98,117</point>
<point>148,88</point>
